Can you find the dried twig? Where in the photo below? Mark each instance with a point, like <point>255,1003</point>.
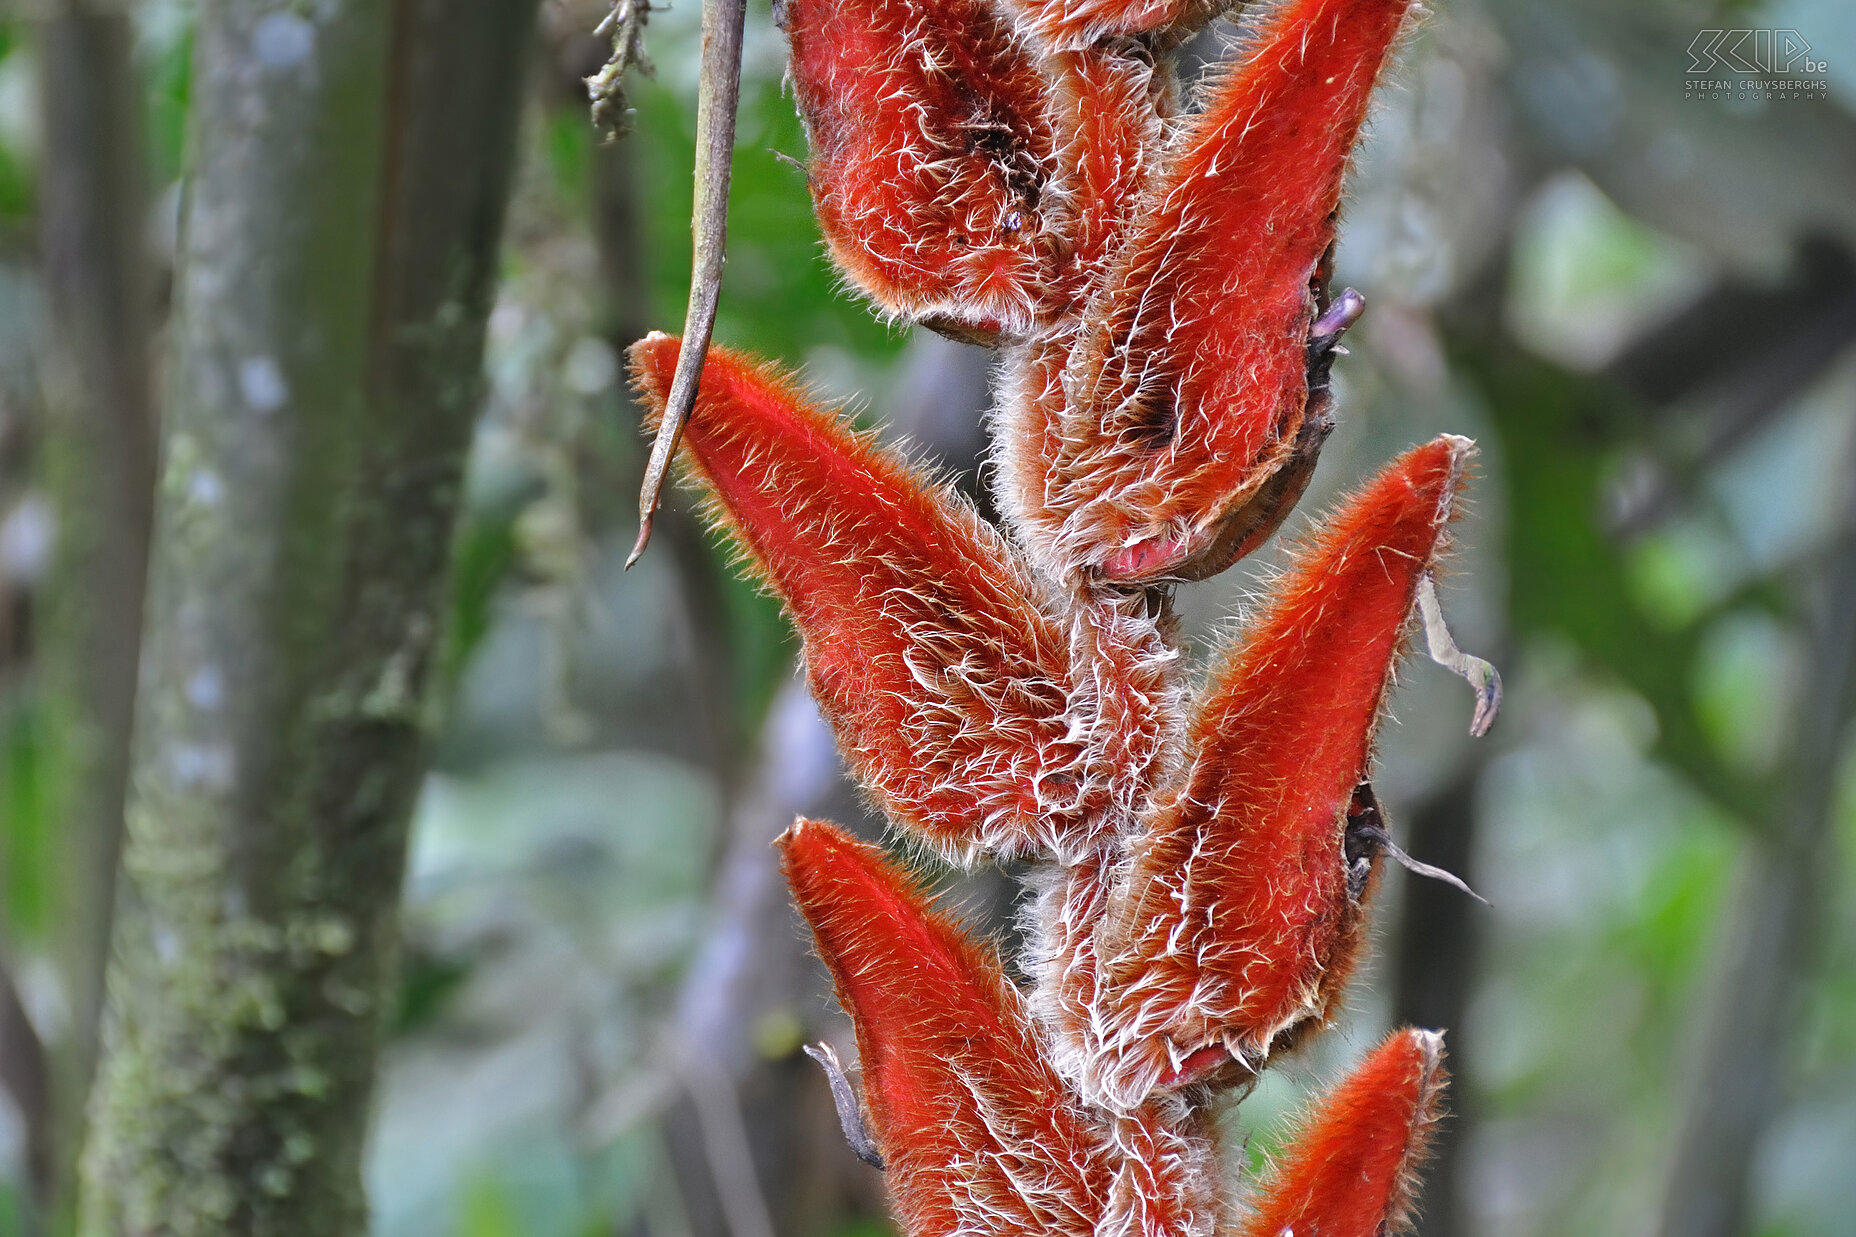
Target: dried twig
<point>715,142</point>
<point>612,114</point>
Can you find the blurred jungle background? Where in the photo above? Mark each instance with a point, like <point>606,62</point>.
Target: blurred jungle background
<point>1640,303</point>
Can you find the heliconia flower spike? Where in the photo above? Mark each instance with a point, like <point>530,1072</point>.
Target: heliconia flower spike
<point>1196,390</point>
<point>1070,25</point>
<point>1241,910</point>
<point>948,686</point>
<point>930,147</point>
<point>1353,1170</point>
<point>1022,175</point>
<point>977,1134</point>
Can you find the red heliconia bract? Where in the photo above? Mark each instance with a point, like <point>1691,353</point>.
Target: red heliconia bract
<point>947,684</point>
<point>963,1107</point>
<point>1353,1170</point>
<point>1240,911</point>
<point>1204,854</point>
<point>930,150</point>
<point>1187,391</point>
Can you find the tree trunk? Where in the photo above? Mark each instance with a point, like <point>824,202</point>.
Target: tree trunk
<point>350,165</point>
<point>99,468</point>
<point>1434,971</point>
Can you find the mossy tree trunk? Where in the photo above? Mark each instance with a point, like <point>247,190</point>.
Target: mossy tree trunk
<point>349,165</point>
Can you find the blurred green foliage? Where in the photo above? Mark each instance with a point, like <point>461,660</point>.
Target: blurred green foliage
<point>28,846</point>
